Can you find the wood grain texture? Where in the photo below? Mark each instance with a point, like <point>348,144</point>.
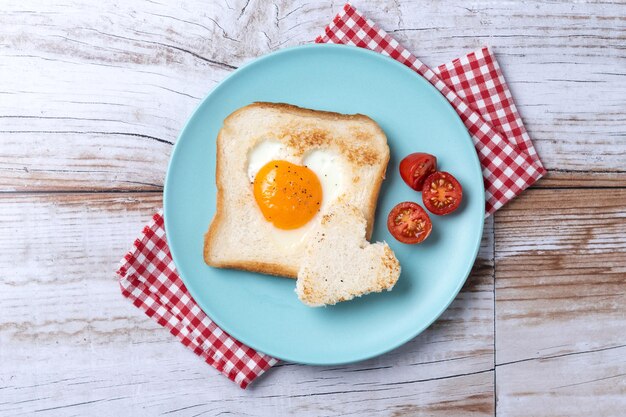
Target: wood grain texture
<point>94,353</point>
<point>586,384</point>
<point>576,179</point>
<point>561,270</point>
<point>561,303</point>
<point>95,96</point>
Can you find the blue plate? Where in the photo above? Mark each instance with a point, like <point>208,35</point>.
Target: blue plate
<point>263,311</point>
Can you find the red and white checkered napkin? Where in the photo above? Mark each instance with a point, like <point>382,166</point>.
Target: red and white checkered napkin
<point>148,278</point>
<point>475,87</point>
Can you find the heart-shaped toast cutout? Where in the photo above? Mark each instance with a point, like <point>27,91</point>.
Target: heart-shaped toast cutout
<point>340,264</point>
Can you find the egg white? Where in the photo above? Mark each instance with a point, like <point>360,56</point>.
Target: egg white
<point>328,165</point>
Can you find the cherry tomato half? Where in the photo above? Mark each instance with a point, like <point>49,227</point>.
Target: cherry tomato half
<point>442,193</point>
<point>409,223</point>
<point>416,167</point>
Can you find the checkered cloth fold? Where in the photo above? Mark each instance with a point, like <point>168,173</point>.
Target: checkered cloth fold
<point>475,87</point>
<point>148,277</point>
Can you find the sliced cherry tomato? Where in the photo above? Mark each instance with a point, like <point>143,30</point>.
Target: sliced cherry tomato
<point>416,167</point>
<point>409,223</point>
<point>442,193</point>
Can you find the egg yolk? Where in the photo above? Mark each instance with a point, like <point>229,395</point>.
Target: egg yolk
<point>288,195</point>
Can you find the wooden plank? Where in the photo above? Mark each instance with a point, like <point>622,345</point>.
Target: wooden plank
<point>69,343</point>
<point>581,179</point>
<point>93,94</point>
<point>561,273</point>
<point>579,385</point>
<point>112,98</point>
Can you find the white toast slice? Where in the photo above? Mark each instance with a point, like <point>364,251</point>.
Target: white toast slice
<point>239,236</point>
<point>340,264</point>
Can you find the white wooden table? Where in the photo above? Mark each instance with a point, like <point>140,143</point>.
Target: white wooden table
<point>92,97</point>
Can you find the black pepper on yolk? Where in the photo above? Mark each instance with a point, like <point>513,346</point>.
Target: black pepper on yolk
<point>288,195</point>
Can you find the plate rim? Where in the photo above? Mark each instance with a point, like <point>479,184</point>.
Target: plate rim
<point>272,55</point>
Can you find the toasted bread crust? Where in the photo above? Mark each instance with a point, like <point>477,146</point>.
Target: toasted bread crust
<point>261,267</point>
<point>300,111</point>
<point>216,222</point>
<point>210,241</point>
